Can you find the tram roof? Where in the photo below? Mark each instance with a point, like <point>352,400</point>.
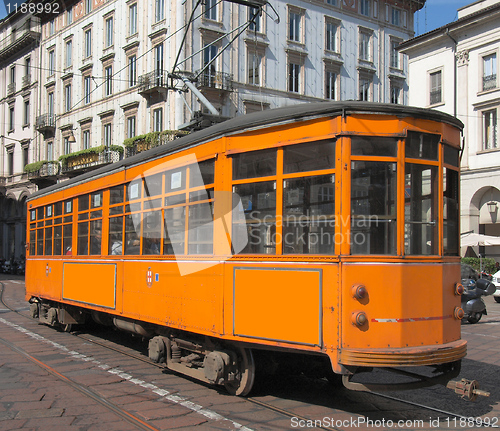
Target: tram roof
<point>268,118</point>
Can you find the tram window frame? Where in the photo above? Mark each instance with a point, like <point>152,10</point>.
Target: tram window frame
<point>309,224</point>
<point>366,235</point>
<point>128,230</point>
<point>266,200</point>
<point>451,211</point>
<point>420,242</point>
<point>51,233</point>
<point>90,224</point>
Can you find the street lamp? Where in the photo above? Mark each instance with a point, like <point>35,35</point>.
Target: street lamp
<point>492,207</point>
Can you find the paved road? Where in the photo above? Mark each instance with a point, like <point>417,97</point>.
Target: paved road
<point>123,394</point>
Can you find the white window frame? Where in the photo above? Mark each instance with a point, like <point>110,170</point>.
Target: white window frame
<point>108,32</point>
<point>489,119</point>
<point>434,88</point>
<point>490,71</point>
<point>87,36</point>
<point>107,134</point>
<point>295,25</point>
<point>69,53</point>
<point>132,19</point>
<point>157,120</point>
<point>67,97</point>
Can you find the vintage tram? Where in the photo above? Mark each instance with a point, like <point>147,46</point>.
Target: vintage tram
<point>324,231</point>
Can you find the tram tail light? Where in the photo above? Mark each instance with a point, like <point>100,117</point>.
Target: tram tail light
<point>458,313</point>
<point>358,291</point>
<point>459,289</point>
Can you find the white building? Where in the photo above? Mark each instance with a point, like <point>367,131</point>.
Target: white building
<point>104,67</point>
<point>19,39</point>
<point>455,69</point>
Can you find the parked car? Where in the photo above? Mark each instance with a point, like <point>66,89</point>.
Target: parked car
<point>496,282</point>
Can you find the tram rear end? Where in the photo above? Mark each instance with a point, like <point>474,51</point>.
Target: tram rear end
<point>399,280</point>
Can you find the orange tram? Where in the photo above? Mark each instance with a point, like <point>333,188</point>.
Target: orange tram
<point>323,235</point>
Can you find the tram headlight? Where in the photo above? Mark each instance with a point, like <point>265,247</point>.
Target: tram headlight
<point>458,313</point>
<point>459,289</point>
<point>358,318</point>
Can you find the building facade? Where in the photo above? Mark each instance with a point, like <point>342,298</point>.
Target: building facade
<point>110,70</point>
<point>455,69</point>
<point>19,42</point>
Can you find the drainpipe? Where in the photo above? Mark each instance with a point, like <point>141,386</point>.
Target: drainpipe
<point>447,33</point>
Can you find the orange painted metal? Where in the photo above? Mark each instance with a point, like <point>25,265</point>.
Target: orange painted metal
<point>297,302</point>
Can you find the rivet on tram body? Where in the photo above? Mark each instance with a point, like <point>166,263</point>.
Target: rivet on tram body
<point>358,291</point>
<point>459,289</point>
<point>358,318</point>
<point>458,313</point>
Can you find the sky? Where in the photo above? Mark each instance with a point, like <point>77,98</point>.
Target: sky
<point>434,14</point>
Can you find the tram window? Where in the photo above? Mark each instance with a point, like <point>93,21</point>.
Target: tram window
<point>48,241</point>
<point>33,215</point>
<point>153,185</point>
<point>96,214</point>
<point>175,180</point>
<point>309,157</point>
<point>374,146</point>
<point>201,229</point>
<point>115,235</point>
<point>57,240</point>
<point>95,237</point>
<point>254,164</point>
<point>132,242</point>
<point>83,238</point>
<point>39,242</point>
<point>309,215</point>
<point>450,212</point>
<point>116,195</point>
<point>175,199</point>
<point>40,213</point>
<point>451,156</point>
<point>95,200</point>
<point>48,211</point>
<point>67,239</point>
<point>202,175</point>
<point>83,203</point>
<point>175,232</point>
<point>422,146</point>
<point>201,195</point>
<point>151,232</point>
<point>152,204</point>
<point>259,205</point>
<point>421,209</point>
<point>116,210</point>
<point>58,209</point>
<point>32,242</point>
<point>373,208</point>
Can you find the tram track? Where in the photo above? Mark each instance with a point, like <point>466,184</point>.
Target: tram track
<point>284,412</point>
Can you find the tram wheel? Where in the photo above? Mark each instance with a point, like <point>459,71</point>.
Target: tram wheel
<point>245,374</point>
<point>68,327</point>
<point>476,317</point>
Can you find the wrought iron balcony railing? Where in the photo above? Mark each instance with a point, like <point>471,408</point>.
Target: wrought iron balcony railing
<point>489,82</point>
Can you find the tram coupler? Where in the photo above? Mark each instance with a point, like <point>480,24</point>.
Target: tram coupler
<point>467,389</point>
